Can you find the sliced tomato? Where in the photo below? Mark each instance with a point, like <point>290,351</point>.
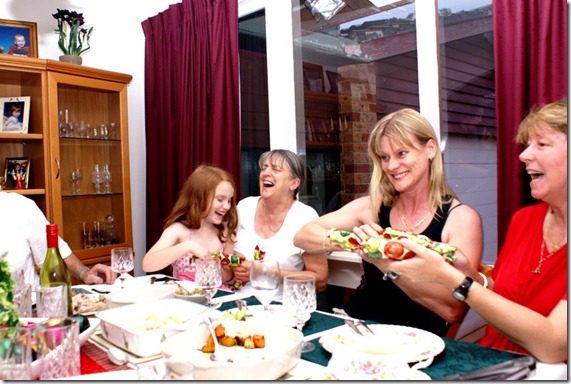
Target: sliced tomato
<point>354,242</point>
<point>393,250</point>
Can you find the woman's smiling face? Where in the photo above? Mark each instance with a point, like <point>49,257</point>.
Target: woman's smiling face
<point>406,166</point>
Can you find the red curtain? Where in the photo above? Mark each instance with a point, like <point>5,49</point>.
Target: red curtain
<point>530,49</point>
<point>191,99</point>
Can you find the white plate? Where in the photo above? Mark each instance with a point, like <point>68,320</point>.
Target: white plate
<point>275,315</point>
<point>191,286</point>
<point>403,343</point>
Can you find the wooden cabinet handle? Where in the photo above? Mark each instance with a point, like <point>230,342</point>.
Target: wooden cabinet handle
<point>58,168</point>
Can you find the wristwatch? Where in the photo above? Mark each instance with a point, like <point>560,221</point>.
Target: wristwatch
<point>461,293</point>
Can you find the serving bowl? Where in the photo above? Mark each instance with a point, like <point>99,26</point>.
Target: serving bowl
<point>139,293</point>
<point>281,353</point>
<point>141,328</point>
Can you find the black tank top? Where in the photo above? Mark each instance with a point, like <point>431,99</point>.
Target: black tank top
<point>383,301</point>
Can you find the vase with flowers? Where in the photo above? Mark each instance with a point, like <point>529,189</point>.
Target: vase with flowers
<point>74,35</point>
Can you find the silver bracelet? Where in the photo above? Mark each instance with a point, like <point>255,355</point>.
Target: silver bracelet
<point>485,283</point>
<point>80,271</point>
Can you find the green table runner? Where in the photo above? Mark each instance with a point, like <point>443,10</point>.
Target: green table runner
<point>457,357</point>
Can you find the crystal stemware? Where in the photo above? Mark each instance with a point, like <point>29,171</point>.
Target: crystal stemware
<point>208,276</point>
<point>106,179</point>
<point>300,299</point>
<point>76,176</point>
<point>96,178</point>
<point>122,262</point>
<point>265,278</point>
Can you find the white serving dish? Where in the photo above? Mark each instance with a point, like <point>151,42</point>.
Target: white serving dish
<point>125,326</point>
<point>139,293</point>
<point>280,355</point>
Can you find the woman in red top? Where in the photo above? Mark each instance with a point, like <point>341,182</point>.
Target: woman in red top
<point>525,302</point>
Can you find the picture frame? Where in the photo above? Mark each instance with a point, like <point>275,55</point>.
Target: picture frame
<point>313,77</point>
<point>17,172</point>
<point>26,29</point>
<point>15,114</point>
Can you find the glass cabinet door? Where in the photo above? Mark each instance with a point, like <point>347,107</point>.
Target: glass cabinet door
<point>88,127</point>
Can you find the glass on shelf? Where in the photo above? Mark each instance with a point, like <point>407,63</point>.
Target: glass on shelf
<point>83,129</point>
<point>76,176</point>
<point>96,178</point>
<point>106,179</point>
<point>111,233</point>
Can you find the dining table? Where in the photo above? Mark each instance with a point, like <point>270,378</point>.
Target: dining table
<point>457,357</point>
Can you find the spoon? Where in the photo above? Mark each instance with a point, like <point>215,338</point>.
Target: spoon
<point>117,356</point>
<point>217,348</point>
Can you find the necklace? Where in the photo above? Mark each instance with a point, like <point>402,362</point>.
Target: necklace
<point>409,229</point>
<point>543,258</point>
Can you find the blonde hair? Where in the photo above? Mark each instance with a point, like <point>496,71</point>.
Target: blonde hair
<point>553,114</point>
<point>396,126</point>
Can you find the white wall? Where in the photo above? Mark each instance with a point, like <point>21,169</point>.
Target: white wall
<point>117,44</point>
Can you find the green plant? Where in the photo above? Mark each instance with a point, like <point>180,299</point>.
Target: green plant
<point>73,33</point>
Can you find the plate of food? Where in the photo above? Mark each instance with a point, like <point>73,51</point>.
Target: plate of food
<point>276,314</point>
<point>188,290</point>
<point>399,342</point>
<point>88,303</point>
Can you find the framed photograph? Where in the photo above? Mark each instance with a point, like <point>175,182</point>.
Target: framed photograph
<point>18,38</point>
<point>17,172</point>
<point>15,114</point>
<point>313,77</point>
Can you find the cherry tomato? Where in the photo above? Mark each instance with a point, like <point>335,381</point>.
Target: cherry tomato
<point>393,250</point>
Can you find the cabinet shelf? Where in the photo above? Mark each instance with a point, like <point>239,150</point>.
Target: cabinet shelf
<point>20,137</point>
<point>91,95</point>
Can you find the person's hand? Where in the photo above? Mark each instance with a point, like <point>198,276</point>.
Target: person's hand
<point>427,265</point>
<point>99,274</point>
<point>198,250</point>
<point>242,272</point>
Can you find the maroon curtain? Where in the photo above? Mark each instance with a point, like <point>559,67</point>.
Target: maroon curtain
<point>530,49</point>
<point>191,99</point>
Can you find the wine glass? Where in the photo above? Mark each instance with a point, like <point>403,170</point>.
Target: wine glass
<point>76,176</point>
<point>106,178</point>
<point>265,278</point>
<point>96,178</point>
<point>208,276</point>
<point>300,299</point>
<point>122,262</point>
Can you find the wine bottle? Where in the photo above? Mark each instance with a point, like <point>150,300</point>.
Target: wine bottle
<point>54,269</point>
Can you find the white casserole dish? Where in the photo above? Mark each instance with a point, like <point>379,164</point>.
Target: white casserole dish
<point>126,326</point>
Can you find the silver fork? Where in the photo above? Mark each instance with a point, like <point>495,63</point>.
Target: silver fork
<point>352,322</point>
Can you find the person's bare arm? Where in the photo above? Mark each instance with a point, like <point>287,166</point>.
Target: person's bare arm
<point>317,265</point>
<point>463,229</point>
<point>169,248</point>
<point>545,337</point>
<point>99,274</point>
<point>310,237</point>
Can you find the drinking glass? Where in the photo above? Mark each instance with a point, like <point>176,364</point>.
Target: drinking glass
<point>300,299</point>
<point>51,300</point>
<point>15,354</point>
<point>96,178</point>
<point>58,348</point>
<point>265,278</point>
<point>76,176</point>
<point>106,179</point>
<point>122,262</point>
<point>208,276</point>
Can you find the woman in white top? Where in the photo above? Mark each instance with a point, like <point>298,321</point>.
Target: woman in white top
<point>270,221</point>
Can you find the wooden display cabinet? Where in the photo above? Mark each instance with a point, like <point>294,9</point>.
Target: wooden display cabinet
<point>96,97</point>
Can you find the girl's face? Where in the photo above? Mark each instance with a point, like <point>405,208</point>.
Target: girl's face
<point>16,113</point>
<point>407,167</point>
<point>221,203</point>
<point>545,158</point>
